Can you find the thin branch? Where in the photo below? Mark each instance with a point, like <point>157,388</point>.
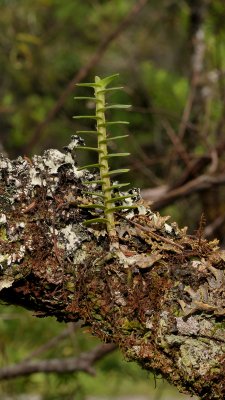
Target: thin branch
<point>84,363</point>
<point>197,39</point>
<point>210,229</point>
<point>53,341</point>
<point>187,112</point>
<point>198,184</point>
<point>82,73</point>
<point>177,280</point>
<point>199,164</point>
<point>177,142</point>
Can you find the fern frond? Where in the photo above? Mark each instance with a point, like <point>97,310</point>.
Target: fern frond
<point>101,88</point>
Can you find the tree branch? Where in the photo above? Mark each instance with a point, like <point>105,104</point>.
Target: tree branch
<point>52,342</point>
<point>83,363</point>
<point>164,196</point>
<point>159,296</point>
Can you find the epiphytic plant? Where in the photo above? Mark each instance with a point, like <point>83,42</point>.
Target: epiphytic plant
<point>106,194</point>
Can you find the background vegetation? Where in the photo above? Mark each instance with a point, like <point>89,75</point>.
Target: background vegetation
<point>171,58</point>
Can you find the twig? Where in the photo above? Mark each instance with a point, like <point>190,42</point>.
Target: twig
<point>186,113</point>
<point>177,142</point>
<point>198,184</point>
<point>81,74</point>
<point>84,362</point>
<point>197,39</point>
<point>211,228</point>
<point>53,341</point>
<point>150,232</point>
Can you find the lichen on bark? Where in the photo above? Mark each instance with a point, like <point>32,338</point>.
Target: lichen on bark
<point>160,296</point>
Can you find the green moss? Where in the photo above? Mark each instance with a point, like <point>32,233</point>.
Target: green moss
<point>3,235</point>
<point>70,286</point>
<point>97,316</point>
<point>215,370</point>
<point>131,325</point>
<point>219,325</point>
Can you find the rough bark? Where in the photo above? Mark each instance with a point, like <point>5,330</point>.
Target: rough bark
<point>159,296</point>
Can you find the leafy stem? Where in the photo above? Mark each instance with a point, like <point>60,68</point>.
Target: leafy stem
<point>103,159</point>
<point>108,205</point>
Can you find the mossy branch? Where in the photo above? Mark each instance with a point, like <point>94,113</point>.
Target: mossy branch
<point>160,298</point>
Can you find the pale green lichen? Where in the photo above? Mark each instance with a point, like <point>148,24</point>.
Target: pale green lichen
<point>23,177</point>
<point>199,355</point>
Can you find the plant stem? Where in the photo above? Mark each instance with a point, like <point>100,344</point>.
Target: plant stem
<point>103,160</point>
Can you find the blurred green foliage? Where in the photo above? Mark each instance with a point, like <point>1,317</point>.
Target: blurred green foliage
<point>22,333</point>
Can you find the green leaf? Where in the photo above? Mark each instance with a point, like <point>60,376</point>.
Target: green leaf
<point>113,138</point>
<point>116,155</point>
<point>92,206</point>
<point>117,106</point>
<point>120,208</point>
<point>94,194</point>
<point>86,116</point>
<point>106,81</point>
<point>116,137</point>
<point>88,166</point>
<point>116,171</point>
<point>87,84</point>
<point>120,198</point>
<point>114,123</point>
<point>95,221</point>
<point>117,186</point>
<point>89,148</point>
<point>85,98</point>
<point>87,132</point>
<point>110,89</point>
